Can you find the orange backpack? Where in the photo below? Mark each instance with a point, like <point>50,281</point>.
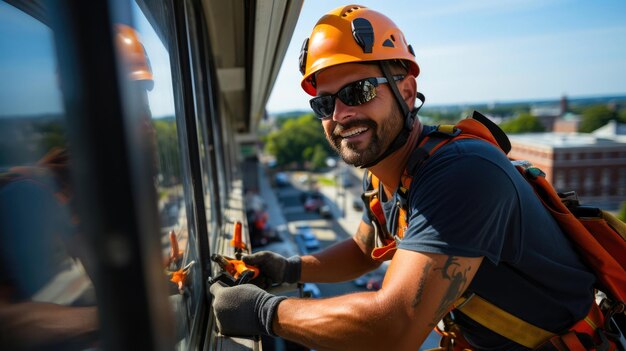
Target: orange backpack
<point>598,236</point>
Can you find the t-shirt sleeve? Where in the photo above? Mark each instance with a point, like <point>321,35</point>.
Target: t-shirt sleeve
<point>462,204</point>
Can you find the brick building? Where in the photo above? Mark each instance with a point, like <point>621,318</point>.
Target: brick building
<point>594,166</point>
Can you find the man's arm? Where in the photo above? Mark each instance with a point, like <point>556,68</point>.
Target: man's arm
<point>343,261</point>
<point>35,324</point>
<point>418,290</point>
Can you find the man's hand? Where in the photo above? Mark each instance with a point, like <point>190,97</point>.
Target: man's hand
<point>275,269</point>
<point>244,310</point>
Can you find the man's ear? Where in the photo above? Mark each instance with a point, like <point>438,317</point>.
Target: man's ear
<point>408,90</point>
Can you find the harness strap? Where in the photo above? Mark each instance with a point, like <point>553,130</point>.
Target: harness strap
<point>526,334</point>
<point>501,322</point>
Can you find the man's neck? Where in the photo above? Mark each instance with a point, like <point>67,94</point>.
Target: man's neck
<point>389,170</point>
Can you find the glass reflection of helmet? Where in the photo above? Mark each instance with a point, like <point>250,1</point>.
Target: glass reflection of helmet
<point>133,55</point>
<point>353,33</point>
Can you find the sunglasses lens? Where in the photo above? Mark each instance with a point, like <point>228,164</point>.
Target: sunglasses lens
<point>357,93</point>
<point>323,106</point>
<point>353,94</point>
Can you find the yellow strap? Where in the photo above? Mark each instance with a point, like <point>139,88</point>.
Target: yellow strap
<point>446,128</point>
<point>502,322</point>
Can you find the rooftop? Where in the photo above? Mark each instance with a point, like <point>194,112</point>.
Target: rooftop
<point>567,140</point>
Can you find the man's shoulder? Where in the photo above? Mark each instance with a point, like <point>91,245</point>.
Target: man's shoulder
<point>472,155</point>
<point>14,188</point>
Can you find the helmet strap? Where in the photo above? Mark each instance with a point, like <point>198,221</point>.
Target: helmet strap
<point>384,66</point>
<point>409,117</point>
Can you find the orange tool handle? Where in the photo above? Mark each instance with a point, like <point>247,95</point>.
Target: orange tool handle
<point>241,267</point>
<point>237,242</point>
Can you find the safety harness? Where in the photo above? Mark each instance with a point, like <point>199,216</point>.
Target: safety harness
<point>591,333</point>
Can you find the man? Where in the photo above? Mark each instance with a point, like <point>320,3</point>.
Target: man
<point>474,225</point>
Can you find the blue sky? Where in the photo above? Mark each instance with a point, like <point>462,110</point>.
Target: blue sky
<point>468,52</point>
<point>491,50</point>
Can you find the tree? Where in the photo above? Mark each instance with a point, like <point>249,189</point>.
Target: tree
<point>167,150</point>
<point>622,116</point>
<point>299,140</point>
<point>318,159</point>
<point>595,117</point>
<point>524,123</point>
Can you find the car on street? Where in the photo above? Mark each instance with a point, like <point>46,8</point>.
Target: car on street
<point>372,280</point>
<point>374,283</point>
<point>346,181</point>
<point>313,204</point>
<point>326,212</point>
<point>357,204</point>
<point>308,237</point>
<point>281,179</point>
<point>311,290</point>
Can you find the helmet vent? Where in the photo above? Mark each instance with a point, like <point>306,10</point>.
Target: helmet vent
<point>349,11</point>
<point>411,50</point>
<point>363,34</point>
<point>392,38</point>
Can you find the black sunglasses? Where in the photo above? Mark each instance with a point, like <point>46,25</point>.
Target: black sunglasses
<point>352,94</point>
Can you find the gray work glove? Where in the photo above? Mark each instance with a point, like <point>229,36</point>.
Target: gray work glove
<point>275,269</point>
<point>244,310</point>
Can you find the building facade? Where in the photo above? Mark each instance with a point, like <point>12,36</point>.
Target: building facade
<point>593,166</point>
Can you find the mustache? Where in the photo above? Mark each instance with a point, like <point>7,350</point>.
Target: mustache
<point>339,128</point>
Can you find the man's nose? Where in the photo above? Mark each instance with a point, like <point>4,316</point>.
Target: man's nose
<point>342,111</point>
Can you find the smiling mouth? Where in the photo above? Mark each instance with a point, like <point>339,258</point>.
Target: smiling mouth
<point>352,132</point>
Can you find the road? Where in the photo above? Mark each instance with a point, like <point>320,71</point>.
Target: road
<point>289,212</point>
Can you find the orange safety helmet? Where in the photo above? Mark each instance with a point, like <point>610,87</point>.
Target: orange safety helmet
<point>352,33</point>
<point>133,54</point>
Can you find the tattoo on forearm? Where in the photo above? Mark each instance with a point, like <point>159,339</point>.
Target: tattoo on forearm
<point>421,284</point>
<point>451,271</point>
<point>366,239</point>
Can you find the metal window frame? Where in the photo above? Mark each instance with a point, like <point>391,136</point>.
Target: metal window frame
<point>111,172</point>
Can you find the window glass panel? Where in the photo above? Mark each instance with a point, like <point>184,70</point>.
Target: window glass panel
<point>205,113</point>
<point>173,184</point>
<point>47,299</point>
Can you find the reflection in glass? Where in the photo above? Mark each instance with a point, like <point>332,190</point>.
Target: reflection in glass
<point>47,297</point>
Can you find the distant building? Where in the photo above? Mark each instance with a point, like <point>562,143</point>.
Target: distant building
<point>567,123</point>
<point>548,115</point>
<point>594,166</point>
<point>613,130</point>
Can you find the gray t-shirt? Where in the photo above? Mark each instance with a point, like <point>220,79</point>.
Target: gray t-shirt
<point>468,200</point>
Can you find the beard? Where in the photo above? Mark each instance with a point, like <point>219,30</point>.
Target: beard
<point>382,137</point>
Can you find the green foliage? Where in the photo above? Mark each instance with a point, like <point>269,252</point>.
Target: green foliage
<point>508,110</point>
<point>622,212</point>
<point>167,150</point>
<point>595,117</point>
<point>622,116</point>
<point>524,123</point>
<point>326,181</point>
<point>53,133</point>
<point>442,117</point>
<point>298,140</point>
<point>318,159</point>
